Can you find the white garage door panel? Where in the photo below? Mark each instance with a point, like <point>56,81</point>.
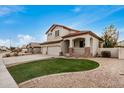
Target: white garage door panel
<point>54,50</point>
<point>44,50</point>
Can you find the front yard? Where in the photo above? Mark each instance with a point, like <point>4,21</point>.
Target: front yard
<point>34,69</point>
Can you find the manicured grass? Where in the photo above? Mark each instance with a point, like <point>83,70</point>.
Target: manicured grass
<point>34,69</point>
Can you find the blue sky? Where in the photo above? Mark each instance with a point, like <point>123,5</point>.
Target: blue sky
<point>24,24</point>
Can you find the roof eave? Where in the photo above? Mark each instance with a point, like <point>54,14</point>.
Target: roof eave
<point>88,32</point>
<point>51,42</point>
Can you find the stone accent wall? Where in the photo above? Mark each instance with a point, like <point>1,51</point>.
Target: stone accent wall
<point>71,51</point>
<point>84,52</point>
<point>79,51</point>
<point>87,52</point>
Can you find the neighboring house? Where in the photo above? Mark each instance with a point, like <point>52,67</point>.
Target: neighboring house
<point>121,43</point>
<point>62,40</point>
<point>34,48</point>
<point>24,48</point>
<point>3,48</point>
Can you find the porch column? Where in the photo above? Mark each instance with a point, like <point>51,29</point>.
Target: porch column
<point>71,47</point>
<point>87,42</point>
<point>87,46</point>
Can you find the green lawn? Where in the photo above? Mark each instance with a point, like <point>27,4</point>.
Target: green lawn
<point>34,69</point>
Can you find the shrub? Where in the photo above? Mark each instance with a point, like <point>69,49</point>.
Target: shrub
<point>15,54</point>
<point>7,55</point>
<point>61,53</point>
<point>25,52</point>
<point>106,54</point>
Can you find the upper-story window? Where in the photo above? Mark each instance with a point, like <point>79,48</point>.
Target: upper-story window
<point>56,33</point>
<point>49,34</point>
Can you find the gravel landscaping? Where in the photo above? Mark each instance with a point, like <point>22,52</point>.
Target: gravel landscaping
<point>108,75</point>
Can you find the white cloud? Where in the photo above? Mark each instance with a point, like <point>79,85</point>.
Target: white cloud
<point>21,40</point>
<point>6,10</point>
<point>25,39</point>
<point>77,9</point>
<point>43,38</point>
<point>5,42</point>
<point>89,15</point>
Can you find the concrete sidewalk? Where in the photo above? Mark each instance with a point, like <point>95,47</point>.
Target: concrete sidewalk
<point>6,80</point>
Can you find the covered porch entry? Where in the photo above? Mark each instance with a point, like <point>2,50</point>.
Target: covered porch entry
<point>78,46</point>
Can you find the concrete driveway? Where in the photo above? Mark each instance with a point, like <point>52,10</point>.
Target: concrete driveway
<point>24,59</point>
<point>110,74</point>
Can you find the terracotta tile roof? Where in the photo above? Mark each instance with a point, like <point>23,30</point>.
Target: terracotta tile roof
<point>83,33</point>
<point>55,25</point>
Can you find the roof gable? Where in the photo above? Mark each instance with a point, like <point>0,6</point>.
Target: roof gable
<point>56,25</point>
<point>73,34</point>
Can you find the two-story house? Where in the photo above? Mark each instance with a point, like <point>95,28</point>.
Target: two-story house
<point>62,40</point>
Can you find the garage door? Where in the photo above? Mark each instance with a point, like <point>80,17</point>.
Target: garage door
<point>54,50</point>
<point>44,50</point>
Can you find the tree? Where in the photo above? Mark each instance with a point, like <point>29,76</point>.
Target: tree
<point>110,37</point>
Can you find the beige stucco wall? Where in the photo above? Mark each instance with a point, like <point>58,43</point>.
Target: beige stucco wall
<point>64,47</point>
<point>121,53</point>
<point>44,50</point>
<point>62,32</point>
<point>36,50</point>
<point>114,51</point>
<point>94,46</point>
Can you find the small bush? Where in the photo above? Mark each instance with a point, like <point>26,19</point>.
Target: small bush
<point>7,55</point>
<point>106,54</point>
<point>61,53</point>
<point>25,52</point>
<point>15,54</point>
